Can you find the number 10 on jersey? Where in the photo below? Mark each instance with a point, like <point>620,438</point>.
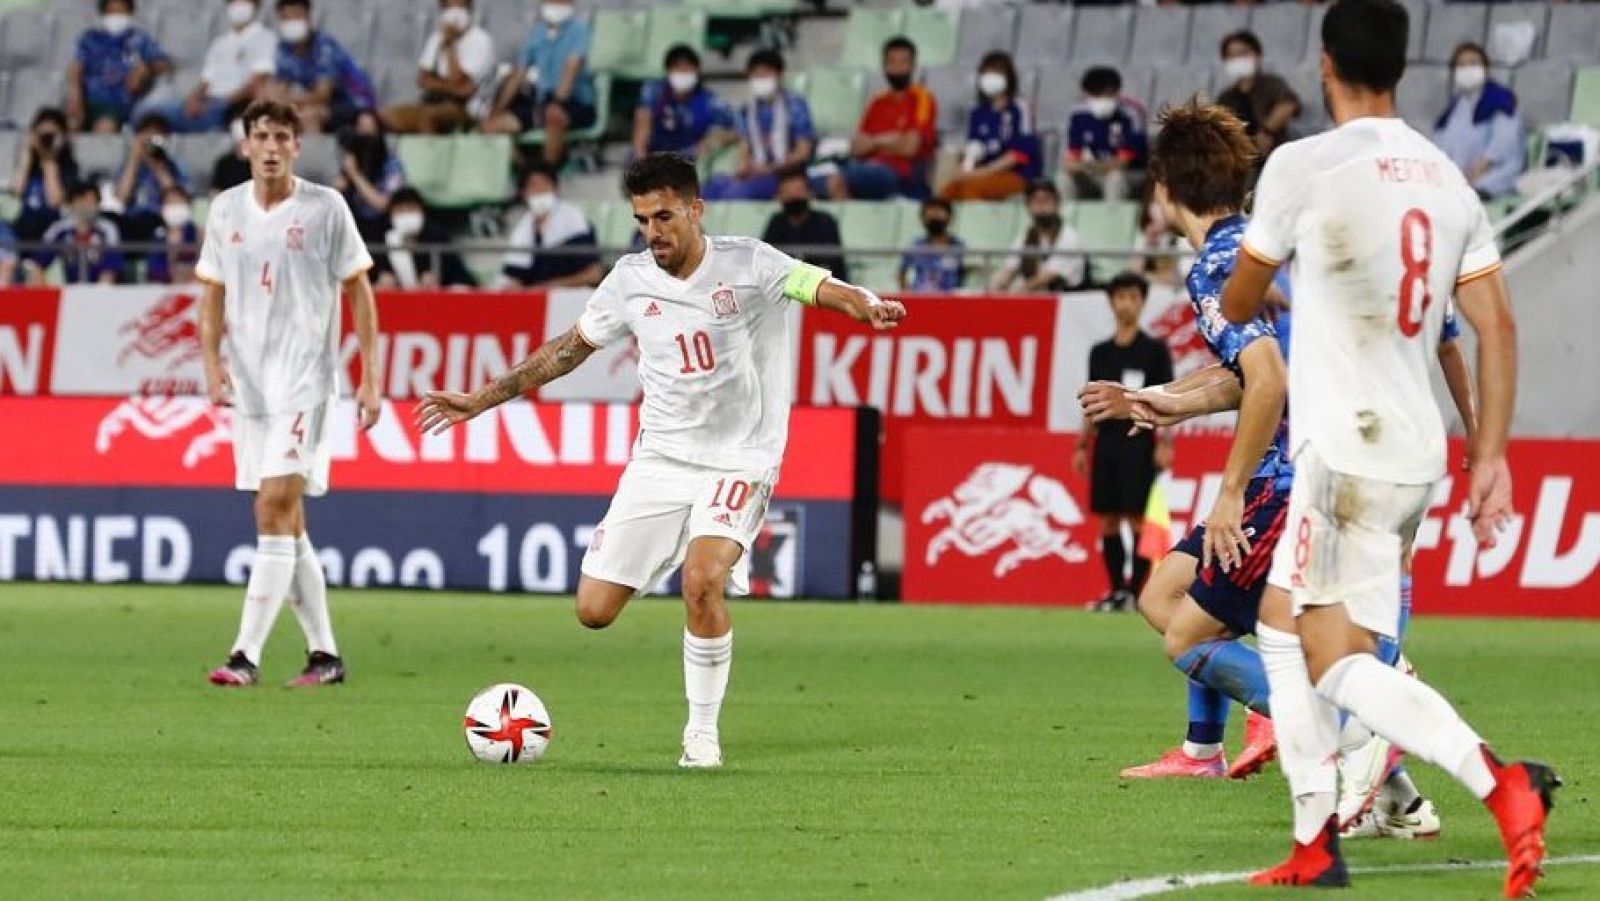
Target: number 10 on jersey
<point>703,358</point>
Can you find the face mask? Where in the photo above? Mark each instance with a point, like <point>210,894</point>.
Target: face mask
<point>763,87</point>
<point>796,207</point>
<point>937,227</point>
<point>1047,221</point>
<point>683,82</point>
<point>555,13</point>
<point>241,13</point>
<point>294,30</point>
<point>407,224</point>
<point>1102,107</point>
<point>992,84</point>
<point>175,215</point>
<point>898,82</point>
<point>85,215</point>
<point>236,128</point>
<point>542,204</point>
<point>116,23</point>
<point>1239,67</point>
<point>1470,78</point>
<point>456,17</point>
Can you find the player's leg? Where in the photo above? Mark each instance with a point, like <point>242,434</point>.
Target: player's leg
<point>1114,554</point>
<point>707,644</point>
<point>276,504</point>
<point>308,595</point>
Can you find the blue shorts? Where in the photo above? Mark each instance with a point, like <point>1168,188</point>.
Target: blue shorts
<point>1234,598</point>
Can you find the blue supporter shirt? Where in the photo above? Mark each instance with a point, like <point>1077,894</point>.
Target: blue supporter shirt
<point>147,190</point>
<point>159,263</point>
<point>1210,272</point>
<point>758,121</point>
<point>1007,130</point>
<point>1121,136</point>
<point>546,52</point>
<point>326,60</point>
<point>678,124</point>
<point>934,267</point>
<point>108,58</point>
<point>85,256</point>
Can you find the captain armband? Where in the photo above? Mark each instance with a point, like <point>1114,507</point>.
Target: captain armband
<point>803,281</point>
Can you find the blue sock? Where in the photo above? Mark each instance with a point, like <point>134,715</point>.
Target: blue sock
<point>1208,714</point>
<point>1389,648</point>
<point>1230,667</point>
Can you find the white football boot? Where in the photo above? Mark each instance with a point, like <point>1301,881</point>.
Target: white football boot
<point>701,750</point>
<point>1421,821</point>
<point>1361,776</point>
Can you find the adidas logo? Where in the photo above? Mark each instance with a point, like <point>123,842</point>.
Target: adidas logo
<point>652,310</point>
<point>723,519</point>
<point>292,454</point>
<point>237,238</point>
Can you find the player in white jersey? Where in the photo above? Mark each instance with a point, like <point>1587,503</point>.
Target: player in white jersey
<point>1383,229</point>
<point>276,255</point>
<point>710,316</point>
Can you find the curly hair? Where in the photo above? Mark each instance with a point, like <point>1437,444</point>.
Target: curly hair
<point>1204,157</point>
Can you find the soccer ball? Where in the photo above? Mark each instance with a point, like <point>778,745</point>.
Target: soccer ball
<point>507,723</point>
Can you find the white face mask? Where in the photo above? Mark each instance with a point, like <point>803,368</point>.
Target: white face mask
<point>457,17</point>
<point>1240,67</point>
<point>236,128</point>
<point>116,23</point>
<point>407,224</point>
<point>555,13</point>
<point>682,82</point>
<point>1470,78</point>
<point>992,84</point>
<point>542,204</point>
<point>176,215</point>
<point>763,87</point>
<point>1102,107</point>
<point>241,13</point>
<point>294,30</point>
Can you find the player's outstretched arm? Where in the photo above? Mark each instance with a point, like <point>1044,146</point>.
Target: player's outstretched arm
<point>440,410</point>
<point>364,311</point>
<point>859,304</point>
<point>1210,389</point>
<point>1486,305</point>
<point>219,387</point>
<point>1266,388</point>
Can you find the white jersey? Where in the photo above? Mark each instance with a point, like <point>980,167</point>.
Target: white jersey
<point>281,270</point>
<point>714,349</point>
<point>1383,227</point>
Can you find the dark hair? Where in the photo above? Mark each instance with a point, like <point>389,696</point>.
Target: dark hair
<point>538,167</point>
<point>1366,40</point>
<point>271,110</point>
<point>407,196</point>
<point>1101,80</point>
<point>680,53</point>
<point>152,120</point>
<point>899,42</point>
<point>83,187</point>
<point>1124,281</point>
<point>101,6</point>
<point>177,187</point>
<point>1243,36</point>
<point>792,173</point>
<point>662,172</point>
<point>771,59</point>
<point>938,203</point>
<point>1042,186</point>
<point>999,59</point>
<point>1466,46</point>
<point>303,4</point>
<point>53,116</point>
<point>1203,156</point>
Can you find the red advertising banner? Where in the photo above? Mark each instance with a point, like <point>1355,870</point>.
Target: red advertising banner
<point>998,516</point>
<point>27,339</point>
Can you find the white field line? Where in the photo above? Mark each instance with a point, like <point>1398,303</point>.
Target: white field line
<point>1161,885</point>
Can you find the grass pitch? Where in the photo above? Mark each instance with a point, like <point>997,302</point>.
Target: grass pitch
<point>873,752</point>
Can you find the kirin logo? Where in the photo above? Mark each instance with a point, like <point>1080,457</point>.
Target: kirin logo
<point>162,418</point>
<point>168,329</point>
<point>1011,506</point>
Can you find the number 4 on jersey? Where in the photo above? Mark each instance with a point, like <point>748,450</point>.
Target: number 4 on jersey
<point>266,276</point>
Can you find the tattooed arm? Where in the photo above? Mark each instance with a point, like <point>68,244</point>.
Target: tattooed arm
<point>440,410</point>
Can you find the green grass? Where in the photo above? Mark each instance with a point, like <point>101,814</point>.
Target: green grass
<point>873,752</point>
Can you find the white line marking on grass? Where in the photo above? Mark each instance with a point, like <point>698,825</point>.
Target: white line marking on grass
<point>1161,885</point>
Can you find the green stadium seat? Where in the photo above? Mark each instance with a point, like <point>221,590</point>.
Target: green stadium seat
<point>666,26</point>
<point>910,223</point>
<point>1501,207</point>
<point>1110,223</point>
<point>745,218</point>
<point>742,9</point>
<point>613,224</point>
<point>617,40</point>
<point>201,210</point>
<point>1586,97</point>
<point>873,225</point>
<point>865,33</point>
<point>458,170</point>
<point>936,33</point>
<point>988,225</point>
<point>594,132</point>
<point>836,98</point>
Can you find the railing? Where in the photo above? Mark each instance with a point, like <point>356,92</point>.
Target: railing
<point>1543,211</point>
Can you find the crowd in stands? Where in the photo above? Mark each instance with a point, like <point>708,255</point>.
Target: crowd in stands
<point>116,81</point>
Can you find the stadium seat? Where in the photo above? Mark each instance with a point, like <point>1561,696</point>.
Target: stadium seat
<point>910,223</point>
<point>10,149</point>
<point>934,31</point>
<point>739,217</point>
<point>1450,24</point>
<point>1418,12</point>
<point>836,98</point>
<point>69,20</point>
<point>1210,25</point>
<point>666,26</point>
<point>618,40</point>
<point>186,34</point>
<point>1044,32</point>
<point>200,208</point>
<point>1536,14</point>
<point>319,158</point>
<point>1544,92</point>
<point>1100,34</point>
<point>952,84</point>
<point>986,225</point>
<point>508,27</point>
<point>1157,30</point>
<point>393,35</point>
<point>28,41</point>
<point>9,5</point>
<point>595,131</point>
<point>32,89</point>
<point>1106,224</point>
<point>984,29</point>
<point>1174,85</point>
<point>1574,33</point>
<point>100,155</point>
<point>1306,81</point>
<point>199,153</point>
<point>1283,30</point>
<point>1422,95</point>
<point>354,26</point>
<point>865,33</point>
<point>1054,105</point>
<point>1586,97</point>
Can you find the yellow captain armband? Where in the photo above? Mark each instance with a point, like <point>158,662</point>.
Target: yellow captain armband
<point>803,281</point>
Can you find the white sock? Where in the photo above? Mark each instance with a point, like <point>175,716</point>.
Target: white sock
<point>1201,752</point>
<point>1307,730</point>
<point>1352,735</point>
<point>309,600</point>
<point>269,582</point>
<point>706,662</point>
<point>1406,711</point>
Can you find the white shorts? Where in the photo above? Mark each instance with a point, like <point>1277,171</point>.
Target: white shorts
<point>285,444</point>
<point>1344,542</point>
<point>661,505</point>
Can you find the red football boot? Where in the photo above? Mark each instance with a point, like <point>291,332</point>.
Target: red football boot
<point>1177,765</point>
<point>1260,747</point>
<point>1520,802</point>
<point>1317,864</point>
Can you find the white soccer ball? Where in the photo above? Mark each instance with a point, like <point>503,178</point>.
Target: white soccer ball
<point>507,723</point>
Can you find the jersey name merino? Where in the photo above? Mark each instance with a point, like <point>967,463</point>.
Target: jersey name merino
<point>282,271</point>
<point>1383,228</point>
<point>714,349</point>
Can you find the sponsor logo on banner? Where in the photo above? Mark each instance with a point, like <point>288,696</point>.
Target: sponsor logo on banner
<point>201,428</point>
<point>1008,512</point>
<point>166,333</point>
<point>28,327</point>
<point>128,340</point>
<point>777,554</point>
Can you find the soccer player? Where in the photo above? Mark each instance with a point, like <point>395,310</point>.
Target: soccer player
<point>1383,229</point>
<point>277,253</point>
<point>710,316</point>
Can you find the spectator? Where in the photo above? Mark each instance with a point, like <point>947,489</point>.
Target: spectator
<point>408,262</point>
<point>232,167</point>
<point>1003,153</point>
<point>148,171</point>
<point>457,59</point>
<point>114,65</point>
<point>800,229</point>
<point>238,66</point>
<point>551,224</point>
<point>561,96</point>
<point>8,254</point>
<point>679,113</point>
<point>88,244</point>
<point>368,173</point>
<point>1043,259</point>
<point>936,261</point>
<point>174,263</point>
<point>897,137</point>
<point>1264,102</point>
<point>1124,466</point>
<point>775,134</point>
<point>46,168</point>
<point>315,74</point>
<point>1480,129</point>
<point>1107,148</point>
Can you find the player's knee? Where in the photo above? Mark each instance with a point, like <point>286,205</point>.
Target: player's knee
<point>1176,645</point>
<point>595,613</point>
<point>702,584</point>
<point>275,511</point>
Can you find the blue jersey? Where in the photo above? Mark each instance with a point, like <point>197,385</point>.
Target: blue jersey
<point>1227,340</point>
<point>108,59</point>
<point>326,60</point>
<point>1007,131</point>
<point>678,124</point>
<point>934,267</point>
